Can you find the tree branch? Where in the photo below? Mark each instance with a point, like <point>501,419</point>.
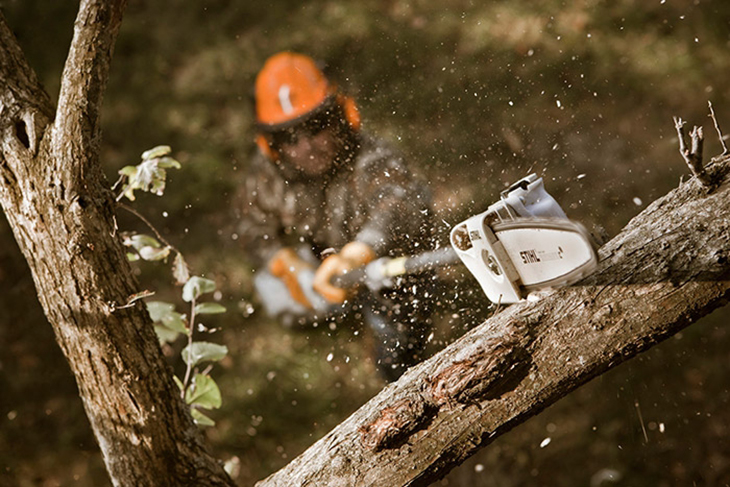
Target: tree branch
<point>725,150</point>
<point>77,133</point>
<point>669,267</point>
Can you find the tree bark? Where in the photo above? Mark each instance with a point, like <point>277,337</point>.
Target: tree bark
<point>669,267</point>
<point>62,213</point>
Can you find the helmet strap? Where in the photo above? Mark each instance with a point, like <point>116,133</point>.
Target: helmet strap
<point>350,110</point>
<point>263,143</point>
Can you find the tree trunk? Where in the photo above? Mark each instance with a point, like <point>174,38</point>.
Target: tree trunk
<point>668,268</point>
<point>58,204</point>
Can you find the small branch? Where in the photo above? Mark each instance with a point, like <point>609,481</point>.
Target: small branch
<point>725,150</point>
<point>693,156</point>
<point>131,300</point>
<point>119,181</point>
<point>149,225</point>
<point>189,361</point>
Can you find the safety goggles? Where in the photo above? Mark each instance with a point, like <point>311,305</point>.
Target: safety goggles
<point>308,128</point>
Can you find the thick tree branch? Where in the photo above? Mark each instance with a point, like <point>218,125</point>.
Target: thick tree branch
<point>669,267</point>
<point>77,132</point>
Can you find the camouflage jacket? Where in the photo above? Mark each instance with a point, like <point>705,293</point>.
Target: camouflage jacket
<point>373,198</point>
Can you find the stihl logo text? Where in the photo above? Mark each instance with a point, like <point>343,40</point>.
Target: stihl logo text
<point>529,257</point>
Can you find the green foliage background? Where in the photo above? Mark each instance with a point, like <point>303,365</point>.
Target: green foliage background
<point>476,94</point>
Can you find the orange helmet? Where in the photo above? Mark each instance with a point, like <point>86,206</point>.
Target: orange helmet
<point>288,88</point>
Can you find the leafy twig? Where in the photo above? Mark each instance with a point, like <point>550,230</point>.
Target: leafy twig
<point>149,175</point>
<point>197,389</point>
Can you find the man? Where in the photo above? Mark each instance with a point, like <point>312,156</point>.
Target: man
<point>323,198</point>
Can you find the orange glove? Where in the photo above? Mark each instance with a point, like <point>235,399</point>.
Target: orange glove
<point>352,255</point>
<point>286,264</point>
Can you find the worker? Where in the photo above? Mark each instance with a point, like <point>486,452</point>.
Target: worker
<point>322,197</point>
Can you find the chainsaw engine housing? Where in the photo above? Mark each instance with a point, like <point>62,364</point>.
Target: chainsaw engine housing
<point>522,243</point>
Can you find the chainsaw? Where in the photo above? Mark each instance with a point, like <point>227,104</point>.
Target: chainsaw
<point>523,243</point>
<point>520,244</point>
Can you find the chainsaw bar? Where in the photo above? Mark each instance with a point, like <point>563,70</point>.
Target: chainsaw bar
<point>547,252</point>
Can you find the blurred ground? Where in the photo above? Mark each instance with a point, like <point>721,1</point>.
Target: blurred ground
<point>476,94</point>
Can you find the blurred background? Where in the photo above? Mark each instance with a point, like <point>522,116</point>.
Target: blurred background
<point>477,95</point>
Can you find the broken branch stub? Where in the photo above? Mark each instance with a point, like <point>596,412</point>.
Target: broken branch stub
<point>693,156</point>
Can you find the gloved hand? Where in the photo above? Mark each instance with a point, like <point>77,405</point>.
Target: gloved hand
<point>352,255</point>
<point>286,264</point>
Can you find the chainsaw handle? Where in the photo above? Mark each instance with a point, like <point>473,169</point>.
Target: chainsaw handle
<point>351,278</point>
<point>379,273</point>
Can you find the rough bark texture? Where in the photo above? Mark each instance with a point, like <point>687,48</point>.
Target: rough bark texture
<point>57,201</point>
<point>669,267</point>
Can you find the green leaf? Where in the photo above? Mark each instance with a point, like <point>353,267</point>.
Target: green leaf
<point>132,298</point>
<point>176,322</point>
<point>196,287</point>
<point>139,240</point>
<point>129,193</point>
<point>159,309</point>
<point>180,270</point>
<point>204,393</point>
<point>168,163</point>
<point>150,174</point>
<point>155,152</point>
<point>152,253</point>
<point>201,419</point>
<point>164,314</point>
<point>128,171</point>
<point>131,173</point>
<point>178,382</point>
<point>198,352</point>
<point>132,257</point>
<point>209,309</point>
<point>166,335</point>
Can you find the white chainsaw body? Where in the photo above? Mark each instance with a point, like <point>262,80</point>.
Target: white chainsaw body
<point>523,243</point>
